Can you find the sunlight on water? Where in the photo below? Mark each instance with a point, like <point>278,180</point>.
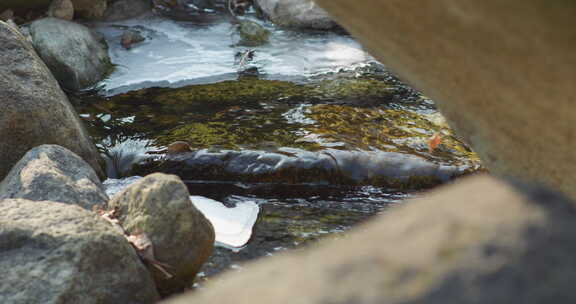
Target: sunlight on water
<point>178,51</point>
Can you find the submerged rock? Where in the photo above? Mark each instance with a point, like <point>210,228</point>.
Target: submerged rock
<point>34,109</point>
<point>74,54</point>
<point>57,253</point>
<point>297,14</point>
<point>166,109</point>
<point>159,206</point>
<point>293,131</point>
<point>225,113</point>
<point>385,129</point>
<point>252,33</point>
<point>289,165</point>
<point>53,173</point>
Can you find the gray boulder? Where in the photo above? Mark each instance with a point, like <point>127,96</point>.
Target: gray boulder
<point>478,241</point>
<point>53,173</point>
<point>57,253</point>
<point>75,55</point>
<point>159,206</point>
<point>35,111</point>
<point>296,14</point>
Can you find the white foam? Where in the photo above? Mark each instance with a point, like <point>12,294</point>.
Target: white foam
<point>233,226</point>
<point>178,51</point>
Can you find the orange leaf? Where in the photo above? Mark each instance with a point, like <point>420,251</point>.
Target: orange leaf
<point>434,141</point>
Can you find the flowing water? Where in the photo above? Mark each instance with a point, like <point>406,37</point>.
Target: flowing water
<point>321,138</point>
<point>179,53</point>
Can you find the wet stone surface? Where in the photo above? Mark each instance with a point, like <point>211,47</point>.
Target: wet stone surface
<point>344,128</point>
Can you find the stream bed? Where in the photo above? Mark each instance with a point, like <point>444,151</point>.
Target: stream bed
<point>317,133</point>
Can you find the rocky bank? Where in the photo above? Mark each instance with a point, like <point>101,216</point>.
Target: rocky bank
<point>480,240</point>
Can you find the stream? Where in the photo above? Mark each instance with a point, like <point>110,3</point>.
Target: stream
<point>176,54</point>
<point>320,138</point>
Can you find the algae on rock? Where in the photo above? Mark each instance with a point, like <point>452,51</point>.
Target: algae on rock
<point>392,130</point>
<point>256,130</point>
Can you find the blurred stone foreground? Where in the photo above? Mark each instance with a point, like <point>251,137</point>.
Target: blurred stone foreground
<point>502,71</point>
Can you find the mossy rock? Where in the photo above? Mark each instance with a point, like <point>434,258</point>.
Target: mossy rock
<point>204,112</point>
<point>352,90</point>
<point>257,90</point>
<point>390,130</point>
<point>242,91</point>
<point>250,112</point>
<point>262,133</point>
<point>357,114</point>
<point>252,34</point>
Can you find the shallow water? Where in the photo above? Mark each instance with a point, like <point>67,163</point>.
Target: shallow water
<point>177,53</point>
<point>292,216</point>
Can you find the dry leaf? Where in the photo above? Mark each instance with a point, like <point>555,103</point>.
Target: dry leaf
<point>139,241</point>
<point>145,250</point>
<point>434,141</point>
<point>112,217</point>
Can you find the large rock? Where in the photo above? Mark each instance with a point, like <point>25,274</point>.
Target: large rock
<point>159,206</point>
<point>34,109</point>
<point>57,253</point>
<point>296,14</point>
<point>53,173</point>
<point>480,241</point>
<point>77,57</point>
<point>499,70</point>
